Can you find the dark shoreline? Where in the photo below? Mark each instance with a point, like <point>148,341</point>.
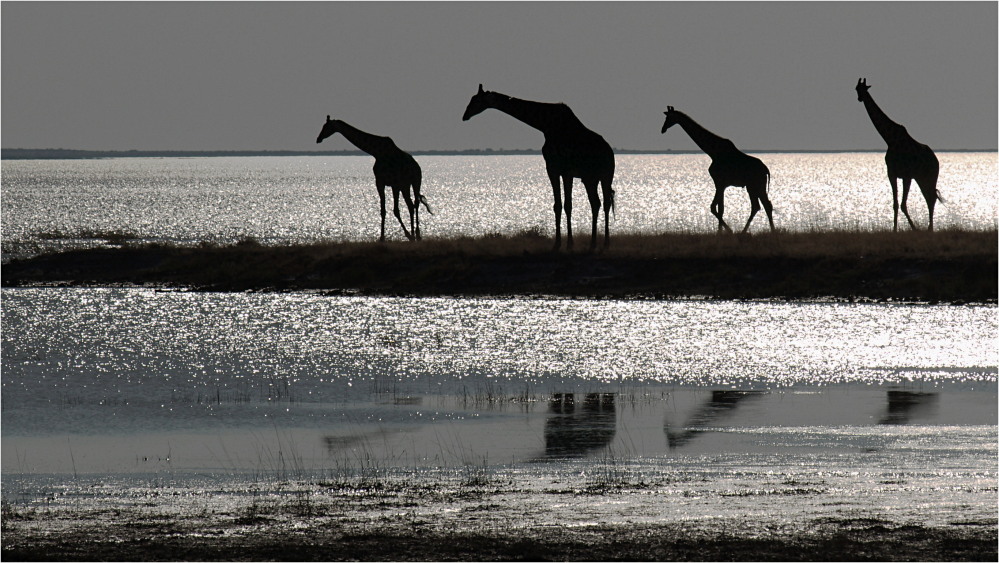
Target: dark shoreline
<point>950,267</point>
<point>838,540</point>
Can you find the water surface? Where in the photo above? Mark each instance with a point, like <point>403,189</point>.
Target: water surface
<point>113,362</point>
<point>299,199</point>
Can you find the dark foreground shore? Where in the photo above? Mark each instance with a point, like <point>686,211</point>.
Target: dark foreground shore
<point>864,540</point>
<point>483,519</point>
<point>945,266</point>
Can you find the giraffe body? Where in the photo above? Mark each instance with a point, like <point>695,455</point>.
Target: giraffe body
<point>906,159</point>
<point>729,167</point>
<point>394,168</point>
<point>570,151</point>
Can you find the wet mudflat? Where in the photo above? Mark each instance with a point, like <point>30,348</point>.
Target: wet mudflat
<point>481,518</point>
<point>725,475</point>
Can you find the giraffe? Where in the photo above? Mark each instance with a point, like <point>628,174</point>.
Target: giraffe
<point>906,158</point>
<point>570,151</point>
<point>394,167</point>
<point>729,167</point>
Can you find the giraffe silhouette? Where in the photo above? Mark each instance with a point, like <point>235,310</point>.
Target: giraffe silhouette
<point>570,151</point>
<point>906,158</point>
<point>729,167</point>
<point>394,167</point>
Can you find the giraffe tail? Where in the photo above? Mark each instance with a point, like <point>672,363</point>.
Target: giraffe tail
<point>423,200</point>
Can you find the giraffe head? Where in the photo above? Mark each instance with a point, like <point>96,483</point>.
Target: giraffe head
<point>862,88</point>
<point>479,103</point>
<point>672,118</point>
<point>329,128</point>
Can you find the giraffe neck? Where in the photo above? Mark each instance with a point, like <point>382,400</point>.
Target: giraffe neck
<point>707,141</point>
<point>372,144</point>
<point>890,131</point>
<point>544,117</point>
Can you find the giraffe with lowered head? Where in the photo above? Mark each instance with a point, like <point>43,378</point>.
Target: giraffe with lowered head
<point>570,151</point>
<point>906,158</point>
<point>394,167</point>
<point>729,167</point>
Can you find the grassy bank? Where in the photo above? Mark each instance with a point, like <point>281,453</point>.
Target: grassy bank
<point>948,265</point>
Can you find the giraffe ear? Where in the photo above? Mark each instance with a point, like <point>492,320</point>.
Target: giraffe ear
<point>327,117</point>
<point>480,88</point>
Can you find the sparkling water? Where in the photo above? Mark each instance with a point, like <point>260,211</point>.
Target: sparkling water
<point>727,408</point>
<point>297,199</point>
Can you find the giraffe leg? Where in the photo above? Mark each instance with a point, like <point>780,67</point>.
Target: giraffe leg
<point>608,207</point>
<point>769,208</point>
<point>567,204</point>
<point>416,207</point>
<point>412,214</point>
<point>381,196</point>
<point>906,184</point>
<point>594,197</point>
<point>557,207</point>
<point>928,185</point>
<point>930,204</point>
<point>395,210</point>
<point>894,198</point>
<point>718,209</point>
<point>754,201</point>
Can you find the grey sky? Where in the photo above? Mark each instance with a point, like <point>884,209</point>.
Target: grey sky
<point>251,76</point>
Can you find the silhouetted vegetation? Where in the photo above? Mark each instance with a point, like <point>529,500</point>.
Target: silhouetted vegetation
<point>948,265</point>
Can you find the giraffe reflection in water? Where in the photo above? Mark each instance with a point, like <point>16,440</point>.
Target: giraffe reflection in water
<point>721,405</point>
<point>574,430</point>
<point>903,406</point>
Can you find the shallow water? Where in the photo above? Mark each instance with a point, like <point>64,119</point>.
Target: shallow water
<point>208,406</point>
<point>265,368</point>
<point>54,203</point>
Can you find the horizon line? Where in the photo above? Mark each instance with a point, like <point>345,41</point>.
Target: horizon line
<point>60,153</point>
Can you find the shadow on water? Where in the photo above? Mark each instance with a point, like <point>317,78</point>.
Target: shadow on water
<point>721,404</point>
<point>573,430</point>
<point>905,405</point>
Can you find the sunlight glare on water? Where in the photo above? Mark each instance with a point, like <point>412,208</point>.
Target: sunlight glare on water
<point>108,341</point>
<point>300,199</point>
